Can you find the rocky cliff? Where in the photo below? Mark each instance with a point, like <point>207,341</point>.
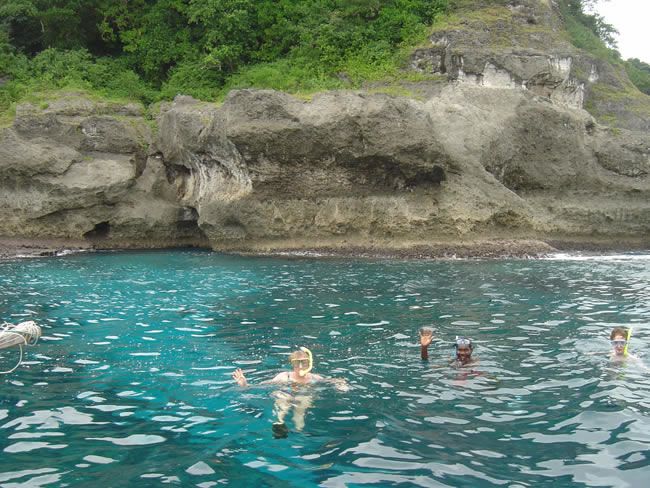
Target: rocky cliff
<point>502,148</point>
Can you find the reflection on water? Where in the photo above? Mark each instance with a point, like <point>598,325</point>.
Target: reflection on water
<point>131,383</point>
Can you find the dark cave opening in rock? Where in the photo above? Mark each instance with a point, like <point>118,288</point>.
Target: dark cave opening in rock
<point>187,227</point>
<point>433,177</point>
<point>99,232</point>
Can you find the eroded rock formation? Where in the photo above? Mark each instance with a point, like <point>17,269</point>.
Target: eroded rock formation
<point>75,168</point>
<point>501,149</point>
<point>266,170</point>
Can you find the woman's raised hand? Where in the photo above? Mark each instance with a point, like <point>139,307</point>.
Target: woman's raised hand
<point>425,339</point>
<point>239,377</point>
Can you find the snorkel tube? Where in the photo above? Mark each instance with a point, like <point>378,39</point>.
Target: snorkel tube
<point>310,358</point>
<point>627,341</point>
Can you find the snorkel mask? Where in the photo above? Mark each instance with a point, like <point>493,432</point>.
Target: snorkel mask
<point>309,359</point>
<point>463,341</point>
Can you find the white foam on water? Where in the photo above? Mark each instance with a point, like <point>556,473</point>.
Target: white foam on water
<point>199,469</point>
<point>86,394</point>
<point>111,408</point>
<point>166,418</point>
<point>31,446</point>
<point>596,257</point>
<point>27,472</point>
<point>217,367</point>
<point>59,369</point>
<point>99,459</point>
<point>381,322</point>
<point>34,435</point>
<point>132,440</point>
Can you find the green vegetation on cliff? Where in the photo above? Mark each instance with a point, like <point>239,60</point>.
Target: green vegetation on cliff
<point>639,73</point>
<point>150,50</point>
<point>590,32</point>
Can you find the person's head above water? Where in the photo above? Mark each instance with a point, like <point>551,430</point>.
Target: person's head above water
<point>464,349</point>
<point>619,338</point>
<point>301,361</point>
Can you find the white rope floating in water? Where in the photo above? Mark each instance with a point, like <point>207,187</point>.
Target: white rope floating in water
<point>22,334</point>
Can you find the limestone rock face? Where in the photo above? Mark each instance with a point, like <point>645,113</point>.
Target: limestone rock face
<point>79,168</point>
<point>265,171</point>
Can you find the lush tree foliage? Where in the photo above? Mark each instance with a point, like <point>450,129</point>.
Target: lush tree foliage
<point>581,12</point>
<point>589,31</point>
<point>152,49</point>
<point>639,73</point>
<point>198,46</point>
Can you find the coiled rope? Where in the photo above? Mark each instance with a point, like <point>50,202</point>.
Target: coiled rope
<point>22,334</point>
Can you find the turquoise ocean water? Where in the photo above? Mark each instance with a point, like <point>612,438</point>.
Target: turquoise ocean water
<point>131,383</point>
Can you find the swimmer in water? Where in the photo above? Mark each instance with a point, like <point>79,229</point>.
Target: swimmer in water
<point>464,349</point>
<point>619,337</point>
<point>301,363</point>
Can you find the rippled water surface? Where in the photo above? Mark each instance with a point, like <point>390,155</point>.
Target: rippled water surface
<point>131,383</point>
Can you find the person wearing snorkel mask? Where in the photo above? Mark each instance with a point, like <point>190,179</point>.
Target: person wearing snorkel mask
<point>620,339</point>
<point>464,349</point>
<point>301,363</point>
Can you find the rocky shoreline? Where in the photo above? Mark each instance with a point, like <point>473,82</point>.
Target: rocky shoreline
<point>13,247</point>
<point>17,248</point>
<point>480,249</point>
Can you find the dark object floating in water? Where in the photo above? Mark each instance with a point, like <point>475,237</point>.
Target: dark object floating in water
<point>280,430</point>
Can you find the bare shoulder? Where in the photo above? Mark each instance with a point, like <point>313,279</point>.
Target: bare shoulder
<point>317,377</point>
<point>280,378</point>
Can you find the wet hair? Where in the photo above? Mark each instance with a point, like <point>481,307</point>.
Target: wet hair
<point>618,331</point>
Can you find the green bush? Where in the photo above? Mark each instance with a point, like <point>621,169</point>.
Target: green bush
<point>639,73</point>
<point>153,49</point>
<point>284,75</point>
<point>588,31</point>
<point>192,78</point>
<point>591,33</point>
<point>54,69</point>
